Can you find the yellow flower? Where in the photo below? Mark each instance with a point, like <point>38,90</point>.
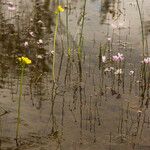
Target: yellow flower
<point>59,9</point>
<point>25,60</point>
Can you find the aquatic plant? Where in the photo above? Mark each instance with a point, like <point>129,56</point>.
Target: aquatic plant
<point>58,10</point>
<point>145,80</point>
<point>23,61</point>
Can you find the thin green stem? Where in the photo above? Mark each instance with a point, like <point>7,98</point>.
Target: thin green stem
<point>67,29</point>
<point>54,46</point>
<point>19,101</point>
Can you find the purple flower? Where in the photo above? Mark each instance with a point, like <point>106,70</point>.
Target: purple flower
<point>146,60</point>
<point>118,58</point>
<point>11,6</point>
<point>26,44</point>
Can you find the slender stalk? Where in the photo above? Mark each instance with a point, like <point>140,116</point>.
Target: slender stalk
<point>81,31</point>
<point>67,29</point>
<point>142,28</point>
<point>19,101</point>
<point>54,46</point>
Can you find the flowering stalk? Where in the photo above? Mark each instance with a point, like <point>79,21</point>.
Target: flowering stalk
<point>19,101</point>
<point>23,61</point>
<point>118,59</point>
<point>59,9</point>
<point>54,47</point>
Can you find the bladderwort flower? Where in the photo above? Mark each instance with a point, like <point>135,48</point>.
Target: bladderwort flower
<point>118,72</point>
<point>11,6</point>
<point>52,52</point>
<point>146,60</point>
<point>131,72</point>
<point>109,39</point>
<point>32,34</point>
<point>59,9</point>
<point>26,44</point>
<point>40,41</point>
<point>104,59</point>
<point>118,58</point>
<point>24,60</point>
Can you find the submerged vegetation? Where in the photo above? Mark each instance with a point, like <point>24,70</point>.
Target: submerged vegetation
<point>66,85</point>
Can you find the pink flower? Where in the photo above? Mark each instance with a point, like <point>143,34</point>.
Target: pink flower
<point>146,60</point>
<point>40,41</point>
<point>11,6</point>
<point>26,44</point>
<point>121,57</point>
<point>118,58</point>
<point>115,58</point>
<point>32,34</point>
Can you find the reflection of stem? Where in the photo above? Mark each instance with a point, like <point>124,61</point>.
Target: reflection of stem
<point>142,125</point>
<point>81,32</point>
<point>19,102</point>
<point>52,107</point>
<point>62,119</point>
<point>67,69</point>
<point>144,83</point>
<point>100,56</point>
<point>142,27</point>
<point>68,48</point>
<point>80,94</point>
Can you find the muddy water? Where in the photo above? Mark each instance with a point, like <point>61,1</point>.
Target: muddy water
<point>77,112</point>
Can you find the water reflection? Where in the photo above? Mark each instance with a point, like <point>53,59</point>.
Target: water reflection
<point>109,8</point>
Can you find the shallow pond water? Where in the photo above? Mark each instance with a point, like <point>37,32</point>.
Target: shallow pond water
<point>88,107</point>
<point>105,17</point>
